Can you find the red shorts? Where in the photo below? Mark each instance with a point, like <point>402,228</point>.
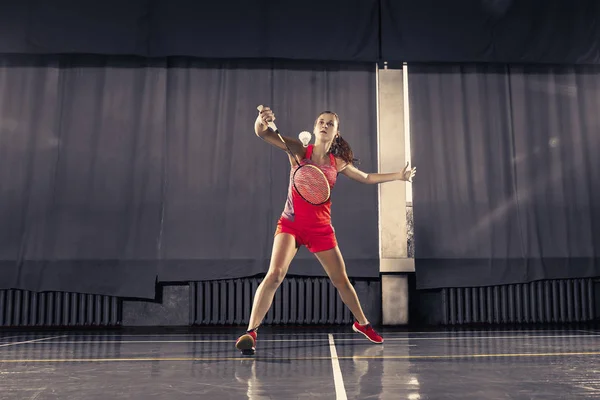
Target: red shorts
<point>315,238</point>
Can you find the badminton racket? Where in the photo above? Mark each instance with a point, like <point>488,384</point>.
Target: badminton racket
<point>308,180</point>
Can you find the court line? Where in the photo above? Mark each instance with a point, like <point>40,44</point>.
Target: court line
<point>587,331</point>
<point>31,341</point>
<point>340,390</point>
<point>317,358</point>
<point>388,339</point>
<point>339,333</point>
<point>488,337</point>
<point>176,341</point>
<point>191,341</point>
<point>492,355</point>
<point>491,331</point>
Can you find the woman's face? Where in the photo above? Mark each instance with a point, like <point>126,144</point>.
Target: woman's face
<point>326,127</point>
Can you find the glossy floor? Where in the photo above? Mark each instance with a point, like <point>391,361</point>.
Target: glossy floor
<point>301,364</point>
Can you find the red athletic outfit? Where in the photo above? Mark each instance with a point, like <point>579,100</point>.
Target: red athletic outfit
<point>309,224</point>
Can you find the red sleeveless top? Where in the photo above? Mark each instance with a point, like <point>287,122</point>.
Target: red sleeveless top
<point>300,211</point>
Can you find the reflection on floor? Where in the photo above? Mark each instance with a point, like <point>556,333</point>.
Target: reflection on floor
<point>298,363</point>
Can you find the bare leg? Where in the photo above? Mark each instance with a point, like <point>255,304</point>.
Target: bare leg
<point>333,263</point>
<point>284,250</point>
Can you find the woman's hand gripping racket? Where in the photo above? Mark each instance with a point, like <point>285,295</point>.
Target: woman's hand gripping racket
<point>308,180</point>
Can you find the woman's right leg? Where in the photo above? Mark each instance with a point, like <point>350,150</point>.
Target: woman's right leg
<point>284,250</point>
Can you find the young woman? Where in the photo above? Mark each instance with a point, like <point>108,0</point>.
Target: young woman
<point>302,223</point>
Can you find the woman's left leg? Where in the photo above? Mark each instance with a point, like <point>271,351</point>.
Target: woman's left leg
<point>333,263</point>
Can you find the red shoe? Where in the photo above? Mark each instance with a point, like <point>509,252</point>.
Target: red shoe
<point>368,331</point>
<point>247,343</point>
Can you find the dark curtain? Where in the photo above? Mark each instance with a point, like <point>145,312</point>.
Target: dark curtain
<point>501,31</point>
<point>120,171</point>
<point>509,181</point>
<point>308,30</point>
<point>506,31</point>
<point>82,186</point>
<point>226,187</point>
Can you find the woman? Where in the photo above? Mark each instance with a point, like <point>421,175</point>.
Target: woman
<point>304,224</point>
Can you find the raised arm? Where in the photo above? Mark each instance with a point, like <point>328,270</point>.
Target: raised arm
<point>374,178</point>
<point>262,130</point>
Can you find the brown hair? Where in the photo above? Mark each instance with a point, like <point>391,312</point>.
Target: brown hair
<point>340,147</point>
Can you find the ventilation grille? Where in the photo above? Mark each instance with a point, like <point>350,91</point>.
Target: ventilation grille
<point>556,301</point>
<point>306,301</point>
<point>24,308</point>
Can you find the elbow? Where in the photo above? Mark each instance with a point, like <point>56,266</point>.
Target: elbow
<point>368,179</point>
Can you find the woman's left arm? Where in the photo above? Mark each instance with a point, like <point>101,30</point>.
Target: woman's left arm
<point>355,174</point>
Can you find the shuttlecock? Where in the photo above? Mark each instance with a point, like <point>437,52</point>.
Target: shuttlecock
<point>305,138</point>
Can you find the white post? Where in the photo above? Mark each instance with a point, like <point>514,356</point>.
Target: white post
<point>393,247</point>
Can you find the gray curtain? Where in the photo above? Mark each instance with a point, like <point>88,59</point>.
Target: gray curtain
<point>118,172</point>
<point>226,187</point>
<point>509,181</point>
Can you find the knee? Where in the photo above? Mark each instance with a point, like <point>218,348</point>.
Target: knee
<point>275,277</point>
<point>341,282</point>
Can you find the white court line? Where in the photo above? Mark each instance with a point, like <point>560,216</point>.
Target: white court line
<point>2,338</point>
<point>402,339</point>
<point>489,337</point>
<point>189,341</point>
<point>290,334</point>
<point>464,333</point>
<point>340,390</point>
<point>320,340</point>
<point>31,341</point>
<point>587,331</point>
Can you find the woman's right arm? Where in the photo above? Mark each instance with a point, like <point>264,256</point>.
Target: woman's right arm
<point>262,131</point>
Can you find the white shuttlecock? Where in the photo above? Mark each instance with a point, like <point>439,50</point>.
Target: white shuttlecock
<point>305,137</point>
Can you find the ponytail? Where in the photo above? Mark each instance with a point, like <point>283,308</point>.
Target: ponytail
<point>340,148</point>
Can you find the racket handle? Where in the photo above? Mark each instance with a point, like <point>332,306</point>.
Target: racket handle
<point>270,124</point>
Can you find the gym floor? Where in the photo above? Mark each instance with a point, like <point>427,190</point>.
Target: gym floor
<point>294,363</point>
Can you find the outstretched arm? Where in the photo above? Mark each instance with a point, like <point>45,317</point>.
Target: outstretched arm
<point>355,174</point>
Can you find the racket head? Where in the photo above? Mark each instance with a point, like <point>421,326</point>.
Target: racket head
<point>311,184</point>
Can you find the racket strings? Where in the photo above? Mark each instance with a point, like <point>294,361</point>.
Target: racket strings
<point>311,184</point>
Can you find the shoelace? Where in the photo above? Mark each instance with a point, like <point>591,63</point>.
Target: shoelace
<point>369,328</point>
